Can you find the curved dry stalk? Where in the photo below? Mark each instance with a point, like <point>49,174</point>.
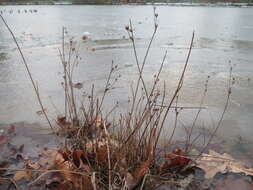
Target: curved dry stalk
<point>41,170</point>
<point>180,83</point>
<point>183,107</point>
<point>106,86</point>
<point>140,69</point>
<point>11,180</point>
<point>29,73</point>
<point>151,94</point>
<point>175,123</point>
<point>93,181</point>
<point>223,112</point>
<point>64,67</point>
<point>188,143</point>
<point>160,113</point>
<point>148,102</point>
<point>71,112</point>
<point>143,181</point>
<point>108,154</point>
<point>44,172</point>
<point>139,124</point>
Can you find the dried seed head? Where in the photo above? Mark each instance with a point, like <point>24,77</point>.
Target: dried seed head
<point>229,91</point>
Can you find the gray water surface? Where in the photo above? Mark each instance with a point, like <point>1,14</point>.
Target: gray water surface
<point>223,37</point>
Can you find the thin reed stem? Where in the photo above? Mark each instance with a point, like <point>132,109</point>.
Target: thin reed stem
<point>29,73</point>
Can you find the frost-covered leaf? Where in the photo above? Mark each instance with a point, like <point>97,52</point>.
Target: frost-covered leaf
<point>214,162</point>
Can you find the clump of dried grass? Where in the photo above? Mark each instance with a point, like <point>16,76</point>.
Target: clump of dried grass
<point>123,153</point>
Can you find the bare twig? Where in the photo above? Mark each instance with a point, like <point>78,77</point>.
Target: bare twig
<point>29,73</point>
<point>180,83</point>
<point>11,180</point>
<point>223,112</point>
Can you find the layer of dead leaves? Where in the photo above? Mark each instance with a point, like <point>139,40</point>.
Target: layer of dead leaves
<point>101,164</point>
<point>88,169</point>
<point>77,169</point>
<point>57,168</point>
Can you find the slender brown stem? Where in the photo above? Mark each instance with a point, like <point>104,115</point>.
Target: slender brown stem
<point>140,69</point>
<point>29,73</point>
<point>179,83</point>
<point>188,143</point>
<point>222,115</point>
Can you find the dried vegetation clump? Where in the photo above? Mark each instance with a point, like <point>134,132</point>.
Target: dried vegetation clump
<point>119,153</point>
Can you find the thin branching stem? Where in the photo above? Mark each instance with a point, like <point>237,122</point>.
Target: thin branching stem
<point>222,115</point>
<point>179,86</point>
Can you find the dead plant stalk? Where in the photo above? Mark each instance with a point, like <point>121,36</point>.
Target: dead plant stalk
<point>35,86</point>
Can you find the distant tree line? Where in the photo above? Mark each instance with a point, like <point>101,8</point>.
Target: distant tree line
<point>121,1</point>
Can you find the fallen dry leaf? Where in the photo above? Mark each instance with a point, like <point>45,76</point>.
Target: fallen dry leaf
<point>66,186</point>
<point>52,158</point>
<point>3,164</point>
<point>80,160</point>
<point>77,85</point>
<point>175,159</point>
<point>102,155</point>
<point>22,174</point>
<point>134,178</point>
<point>140,172</point>
<point>65,152</point>
<point>3,140</point>
<point>78,155</point>
<point>62,122</point>
<point>61,119</point>
<point>40,112</point>
<point>214,162</point>
<point>59,159</point>
<point>33,165</point>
